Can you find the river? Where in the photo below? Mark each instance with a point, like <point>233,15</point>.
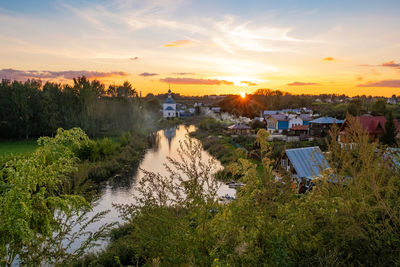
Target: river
<point>121,188</point>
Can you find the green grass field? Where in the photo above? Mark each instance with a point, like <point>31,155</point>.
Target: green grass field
<point>18,147</point>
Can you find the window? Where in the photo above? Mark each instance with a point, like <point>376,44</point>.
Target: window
<point>284,163</point>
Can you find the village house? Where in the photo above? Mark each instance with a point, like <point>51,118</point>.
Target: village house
<point>299,130</point>
<point>169,107</point>
<point>294,120</point>
<point>320,127</point>
<point>374,126</point>
<point>306,118</point>
<point>277,123</point>
<point>239,128</point>
<point>304,163</point>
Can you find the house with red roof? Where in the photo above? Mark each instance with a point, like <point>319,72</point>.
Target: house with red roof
<point>373,125</point>
<point>300,129</point>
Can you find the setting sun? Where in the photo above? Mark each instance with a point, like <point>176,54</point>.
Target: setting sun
<point>242,94</point>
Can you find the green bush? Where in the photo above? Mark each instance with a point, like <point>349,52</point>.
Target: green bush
<point>210,124</point>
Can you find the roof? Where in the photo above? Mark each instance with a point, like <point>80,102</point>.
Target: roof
<point>371,123</point>
<point>294,110</point>
<point>169,100</point>
<point>169,108</point>
<point>239,127</point>
<point>306,117</point>
<point>307,161</point>
<point>300,128</point>
<point>271,112</point>
<point>327,120</point>
<point>279,117</point>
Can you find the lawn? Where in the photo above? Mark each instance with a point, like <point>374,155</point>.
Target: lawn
<point>19,147</point>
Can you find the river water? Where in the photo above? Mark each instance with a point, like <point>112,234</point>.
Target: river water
<point>121,188</point>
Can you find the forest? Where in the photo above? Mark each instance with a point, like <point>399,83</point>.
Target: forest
<point>31,109</point>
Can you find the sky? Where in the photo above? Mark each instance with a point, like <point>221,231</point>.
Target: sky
<point>207,47</point>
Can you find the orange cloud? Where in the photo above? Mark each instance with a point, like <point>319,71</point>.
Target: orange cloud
<point>328,59</point>
<point>147,74</point>
<point>196,81</point>
<point>302,83</point>
<point>248,83</point>
<point>179,43</point>
<point>391,64</point>
<point>383,83</point>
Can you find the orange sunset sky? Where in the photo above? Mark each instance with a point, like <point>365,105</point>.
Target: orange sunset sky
<point>207,47</point>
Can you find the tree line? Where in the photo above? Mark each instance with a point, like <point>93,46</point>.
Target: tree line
<point>324,104</point>
<point>31,109</point>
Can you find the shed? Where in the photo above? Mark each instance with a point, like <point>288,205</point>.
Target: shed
<point>305,162</point>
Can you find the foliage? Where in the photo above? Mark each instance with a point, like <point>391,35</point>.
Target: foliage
<point>171,215</point>
<point>378,108</point>
<point>351,216</point>
<point>35,215</point>
<point>389,135</point>
<point>30,109</point>
<point>257,124</point>
<point>211,124</point>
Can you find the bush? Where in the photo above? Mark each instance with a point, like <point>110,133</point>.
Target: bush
<point>210,124</point>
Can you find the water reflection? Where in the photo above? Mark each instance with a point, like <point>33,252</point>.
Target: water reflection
<point>120,188</point>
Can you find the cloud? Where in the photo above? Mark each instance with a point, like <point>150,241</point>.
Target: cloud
<point>147,74</point>
<point>328,59</point>
<point>195,81</point>
<point>45,74</point>
<point>391,64</point>
<point>302,83</point>
<point>248,83</point>
<point>179,43</point>
<point>383,83</point>
<point>133,58</point>
<point>183,73</point>
<point>233,35</point>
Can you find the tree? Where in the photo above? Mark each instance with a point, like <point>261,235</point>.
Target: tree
<point>36,218</point>
<point>378,108</point>
<point>389,135</point>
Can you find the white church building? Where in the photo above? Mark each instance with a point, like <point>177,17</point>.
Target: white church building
<point>169,107</point>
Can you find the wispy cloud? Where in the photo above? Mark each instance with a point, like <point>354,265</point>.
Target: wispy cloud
<point>233,35</point>
<point>195,81</point>
<point>249,83</point>
<point>45,74</point>
<point>383,83</point>
<point>183,73</point>
<point>302,83</point>
<point>179,43</point>
<point>147,74</point>
<point>328,59</point>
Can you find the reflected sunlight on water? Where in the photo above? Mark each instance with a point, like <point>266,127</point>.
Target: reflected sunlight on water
<point>121,188</point>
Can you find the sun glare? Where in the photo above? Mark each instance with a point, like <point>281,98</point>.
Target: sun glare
<point>242,94</point>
